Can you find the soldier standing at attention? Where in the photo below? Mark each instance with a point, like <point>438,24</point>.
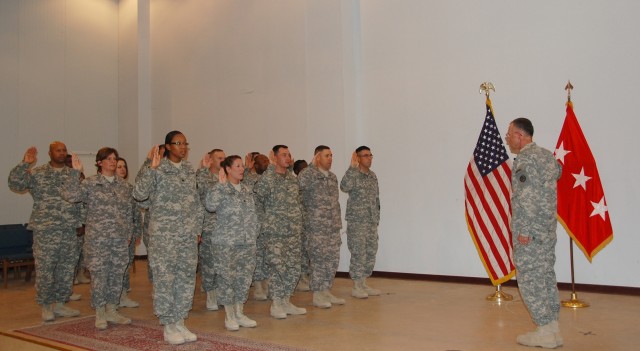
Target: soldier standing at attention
<point>322,224</point>
<point>174,225</point>
<point>278,195</point>
<point>107,200</point>
<point>533,226</point>
<point>54,222</point>
<point>207,177</point>
<point>363,216</point>
<point>233,240</point>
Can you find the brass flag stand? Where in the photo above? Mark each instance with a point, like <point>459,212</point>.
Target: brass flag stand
<point>499,295</point>
<point>574,302</point>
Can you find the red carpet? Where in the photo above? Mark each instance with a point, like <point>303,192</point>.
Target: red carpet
<point>140,335</point>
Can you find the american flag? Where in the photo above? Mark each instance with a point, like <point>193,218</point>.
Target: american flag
<point>487,186</point>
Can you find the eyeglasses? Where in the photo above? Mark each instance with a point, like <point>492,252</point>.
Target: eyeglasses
<point>179,143</point>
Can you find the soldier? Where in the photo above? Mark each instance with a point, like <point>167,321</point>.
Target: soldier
<point>322,224</point>
<point>255,165</point>
<point>122,171</point>
<point>207,177</point>
<point>107,201</point>
<point>54,222</point>
<point>278,195</point>
<point>174,225</point>
<point>303,282</point>
<point>363,216</point>
<point>533,226</point>
<point>233,241</point>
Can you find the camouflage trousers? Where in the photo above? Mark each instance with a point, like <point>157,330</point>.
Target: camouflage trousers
<point>324,258</point>
<point>206,257</point>
<point>173,258</point>
<point>145,241</point>
<point>126,282</point>
<point>81,264</point>
<point>362,241</point>
<point>107,260</point>
<point>234,266</point>
<point>262,270</point>
<point>537,279</point>
<point>282,256</point>
<point>304,256</point>
<point>55,251</point>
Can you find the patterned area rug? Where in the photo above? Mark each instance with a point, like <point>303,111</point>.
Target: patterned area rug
<point>140,335</point>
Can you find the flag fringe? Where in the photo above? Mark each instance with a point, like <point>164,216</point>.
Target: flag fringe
<point>486,266</point>
<point>579,245</point>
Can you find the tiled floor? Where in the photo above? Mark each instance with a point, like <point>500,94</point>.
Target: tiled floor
<point>410,315</point>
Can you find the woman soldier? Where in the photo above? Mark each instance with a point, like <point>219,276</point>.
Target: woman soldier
<point>176,215</point>
<point>233,240</point>
<point>107,202</point>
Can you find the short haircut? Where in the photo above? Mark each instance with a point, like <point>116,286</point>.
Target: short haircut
<point>103,154</point>
<point>277,148</point>
<point>524,125</point>
<point>362,148</point>
<point>254,154</point>
<point>214,151</point>
<point>320,148</point>
<point>299,165</point>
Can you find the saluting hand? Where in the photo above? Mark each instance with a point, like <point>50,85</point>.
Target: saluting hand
<point>31,155</point>
<point>76,163</point>
<point>155,160</point>
<point>206,161</point>
<point>354,160</point>
<point>248,161</point>
<point>272,158</point>
<point>222,176</point>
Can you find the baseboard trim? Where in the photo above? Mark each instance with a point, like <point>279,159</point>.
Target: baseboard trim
<point>602,289</point>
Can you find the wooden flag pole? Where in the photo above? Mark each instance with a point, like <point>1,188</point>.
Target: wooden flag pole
<point>574,302</point>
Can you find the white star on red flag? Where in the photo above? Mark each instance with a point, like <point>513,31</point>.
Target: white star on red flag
<point>561,152</point>
<point>581,179</point>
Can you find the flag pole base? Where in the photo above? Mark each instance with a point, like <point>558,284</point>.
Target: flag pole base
<point>499,295</point>
<point>574,302</point>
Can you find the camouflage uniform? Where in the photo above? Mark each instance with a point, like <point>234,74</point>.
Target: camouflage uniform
<point>206,181</point>
<point>322,225</point>
<point>363,216</point>
<point>54,222</point>
<point>136,232</point>
<point>175,221</point>
<point>278,196</point>
<point>261,272</point>
<point>108,228</point>
<point>533,204</point>
<point>144,216</point>
<point>233,240</point>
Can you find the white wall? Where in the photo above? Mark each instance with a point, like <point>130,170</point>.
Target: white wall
<point>399,76</point>
<point>58,81</point>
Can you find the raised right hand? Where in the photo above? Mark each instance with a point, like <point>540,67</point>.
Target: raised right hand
<point>155,161</point>
<point>354,160</point>
<point>31,155</point>
<point>222,176</point>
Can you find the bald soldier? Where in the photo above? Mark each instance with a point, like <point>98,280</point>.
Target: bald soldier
<point>54,222</point>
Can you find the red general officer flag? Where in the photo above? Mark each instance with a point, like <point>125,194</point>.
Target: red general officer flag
<point>582,208</point>
<point>487,186</point>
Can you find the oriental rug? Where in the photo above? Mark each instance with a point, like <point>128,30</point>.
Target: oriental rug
<point>139,336</point>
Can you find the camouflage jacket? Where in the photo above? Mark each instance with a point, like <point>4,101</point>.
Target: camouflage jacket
<point>108,204</point>
<point>237,222</point>
<point>320,198</point>
<point>174,207</point>
<point>279,199</point>
<point>363,204</point>
<point>206,180</point>
<point>534,199</point>
<point>45,186</point>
